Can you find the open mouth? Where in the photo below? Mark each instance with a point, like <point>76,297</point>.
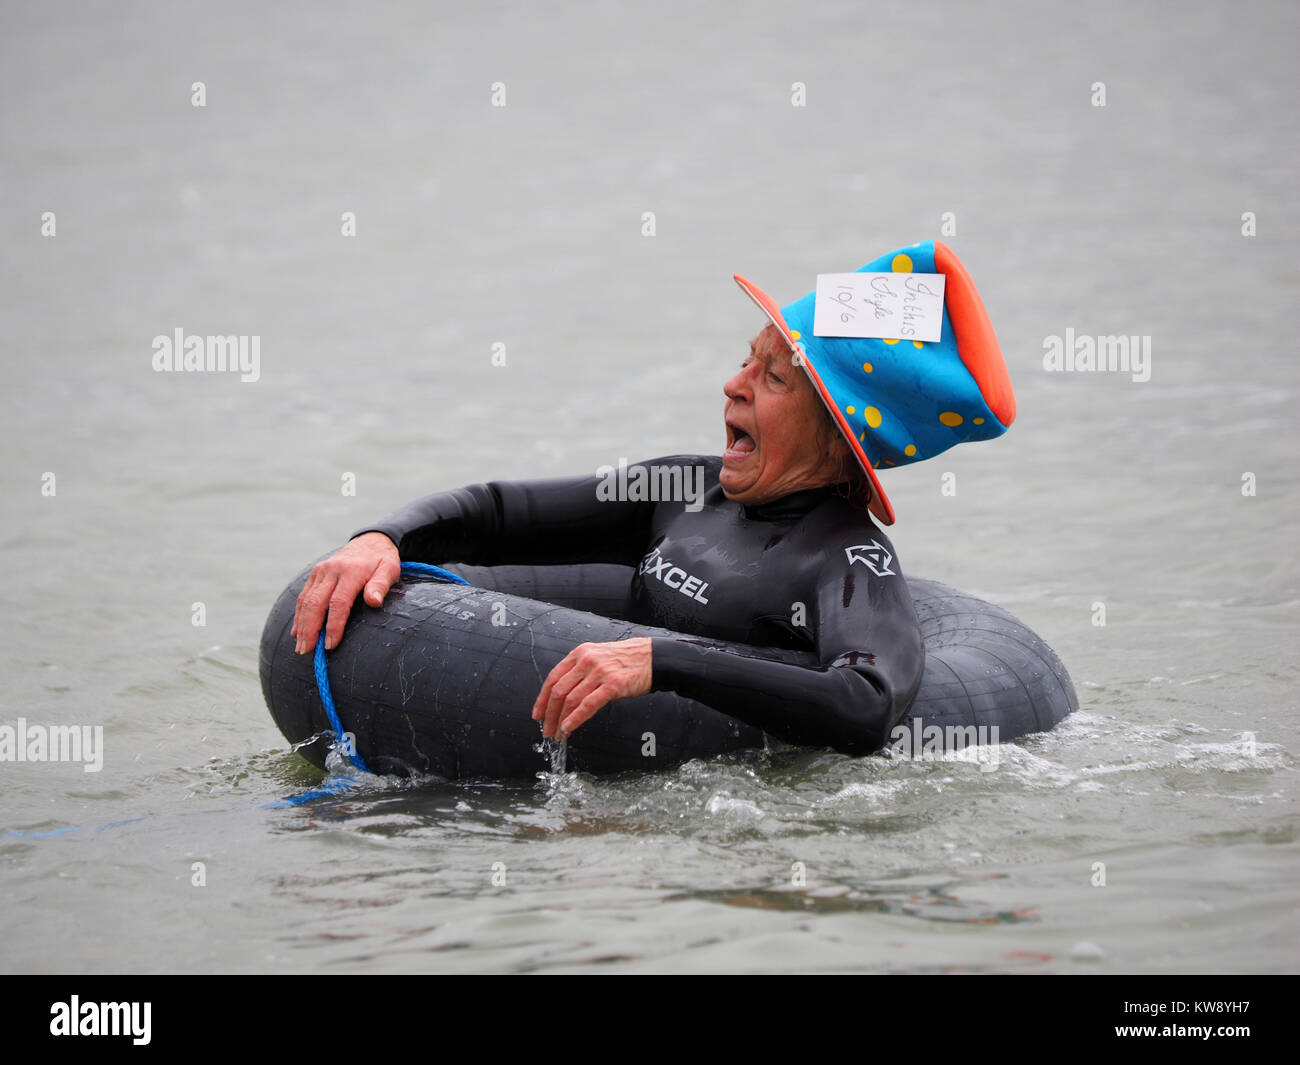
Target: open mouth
<point>739,442</point>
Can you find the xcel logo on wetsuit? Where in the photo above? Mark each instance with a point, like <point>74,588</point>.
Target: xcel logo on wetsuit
<point>661,569</point>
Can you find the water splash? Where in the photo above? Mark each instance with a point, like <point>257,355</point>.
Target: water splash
<point>557,752</point>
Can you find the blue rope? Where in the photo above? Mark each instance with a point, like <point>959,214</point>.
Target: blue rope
<point>409,569</point>
<point>423,569</point>
<point>330,786</point>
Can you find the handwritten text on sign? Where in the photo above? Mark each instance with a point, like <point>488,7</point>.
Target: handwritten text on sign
<point>888,306</point>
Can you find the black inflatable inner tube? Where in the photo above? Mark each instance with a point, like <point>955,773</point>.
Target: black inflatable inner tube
<point>441,678</point>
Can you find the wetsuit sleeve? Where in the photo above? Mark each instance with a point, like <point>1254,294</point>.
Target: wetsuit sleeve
<point>866,672</point>
<point>555,521</point>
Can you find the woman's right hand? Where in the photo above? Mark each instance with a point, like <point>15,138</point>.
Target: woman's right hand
<point>370,561</point>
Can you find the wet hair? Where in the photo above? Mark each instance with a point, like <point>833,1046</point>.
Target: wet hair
<point>851,480</point>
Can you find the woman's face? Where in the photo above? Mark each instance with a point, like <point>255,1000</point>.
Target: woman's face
<point>779,440</point>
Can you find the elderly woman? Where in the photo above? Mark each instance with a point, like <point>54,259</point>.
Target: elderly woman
<point>781,550</point>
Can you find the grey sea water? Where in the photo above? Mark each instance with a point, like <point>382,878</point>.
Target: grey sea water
<point>1097,167</point>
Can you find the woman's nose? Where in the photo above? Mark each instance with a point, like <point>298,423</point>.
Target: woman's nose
<point>737,388</point>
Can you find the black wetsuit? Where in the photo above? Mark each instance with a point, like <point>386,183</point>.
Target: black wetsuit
<point>807,572</point>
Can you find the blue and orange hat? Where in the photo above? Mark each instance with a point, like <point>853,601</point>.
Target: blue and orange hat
<point>900,401</point>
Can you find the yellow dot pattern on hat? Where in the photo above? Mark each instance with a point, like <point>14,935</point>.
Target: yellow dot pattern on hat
<point>909,450</point>
<point>795,334</point>
<point>873,417</point>
<point>851,410</point>
<point>978,421</point>
<point>894,341</point>
<point>950,418</point>
<point>917,344</point>
<point>902,264</point>
<point>867,367</point>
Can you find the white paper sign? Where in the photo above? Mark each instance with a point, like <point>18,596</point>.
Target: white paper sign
<point>888,306</point>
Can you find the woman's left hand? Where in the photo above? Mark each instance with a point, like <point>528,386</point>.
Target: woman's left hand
<point>587,678</point>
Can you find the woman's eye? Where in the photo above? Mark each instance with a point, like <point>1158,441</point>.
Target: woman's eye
<point>777,378</point>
